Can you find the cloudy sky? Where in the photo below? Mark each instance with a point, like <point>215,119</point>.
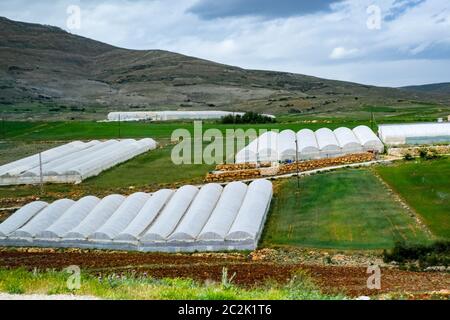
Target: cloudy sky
<point>380,42</point>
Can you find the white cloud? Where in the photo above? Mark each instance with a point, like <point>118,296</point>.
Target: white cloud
<point>334,44</point>
<point>342,53</point>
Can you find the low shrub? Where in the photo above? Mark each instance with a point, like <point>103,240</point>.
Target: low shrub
<point>408,157</point>
<point>435,254</point>
<point>428,154</point>
<point>247,118</point>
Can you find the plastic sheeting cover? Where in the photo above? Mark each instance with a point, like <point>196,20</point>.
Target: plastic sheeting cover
<point>212,218</point>
<point>146,216</point>
<point>97,217</point>
<point>250,218</point>
<point>127,211</point>
<point>324,143</point>
<point>268,147</point>
<point>287,148</point>
<point>368,139</point>
<point>73,162</point>
<point>71,218</point>
<point>225,212</point>
<point>401,133</point>
<point>308,148</point>
<point>172,214</point>
<point>44,219</point>
<point>198,213</point>
<point>22,216</point>
<point>347,140</point>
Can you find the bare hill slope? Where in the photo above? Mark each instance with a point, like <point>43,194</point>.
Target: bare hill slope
<point>49,69</point>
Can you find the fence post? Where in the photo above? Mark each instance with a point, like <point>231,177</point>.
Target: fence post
<point>296,162</point>
<point>41,178</point>
<point>120,134</point>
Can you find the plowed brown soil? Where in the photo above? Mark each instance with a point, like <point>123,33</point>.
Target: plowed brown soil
<point>345,279</point>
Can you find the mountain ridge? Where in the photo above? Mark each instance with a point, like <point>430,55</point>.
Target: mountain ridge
<point>55,70</point>
<point>442,88</point>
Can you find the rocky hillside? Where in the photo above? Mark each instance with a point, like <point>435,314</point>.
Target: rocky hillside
<point>437,88</point>
<point>45,69</point>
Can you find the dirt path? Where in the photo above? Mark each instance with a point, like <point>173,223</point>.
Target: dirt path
<point>351,280</point>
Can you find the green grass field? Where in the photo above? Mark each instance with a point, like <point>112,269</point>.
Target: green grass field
<point>82,130</point>
<point>348,209</point>
<point>152,168</point>
<point>115,287</point>
<point>150,171</point>
<point>425,185</point>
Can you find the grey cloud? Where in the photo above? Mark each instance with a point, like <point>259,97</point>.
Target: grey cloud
<point>399,7</point>
<point>211,9</point>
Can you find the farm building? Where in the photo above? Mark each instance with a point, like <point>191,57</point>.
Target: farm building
<point>171,115</point>
<point>73,162</point>
<point>324,143</point>
<point>211,218</point>
<point>415,133</point>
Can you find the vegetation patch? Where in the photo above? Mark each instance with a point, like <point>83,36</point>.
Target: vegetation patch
<point>114,286</point>
<point>248,117</point>
<point>434,256</point>
<point>348,209</point>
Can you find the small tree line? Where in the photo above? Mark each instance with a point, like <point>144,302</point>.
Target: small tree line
<point>249,117</point>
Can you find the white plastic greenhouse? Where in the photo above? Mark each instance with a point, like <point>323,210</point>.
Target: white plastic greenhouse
<point>224,214</point>
<point>415,133</point>
<point>73,162</point>
<point>96,218</point>
<point>328,144</point>
<point>171,216</point>
<point>146,216</point>
<point>348,141</point>
<point>249,154</point>
<point>252,214</point>
<point>121,218</point>
<point>71,218</point>
<point>368,139</point>
<point>286,146</point>
<point>308,148</point>
<point>268,147</point>
<point>171,115</point>
<point>211,218</point>
<point>198,214</point>
<point>324,143</point>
